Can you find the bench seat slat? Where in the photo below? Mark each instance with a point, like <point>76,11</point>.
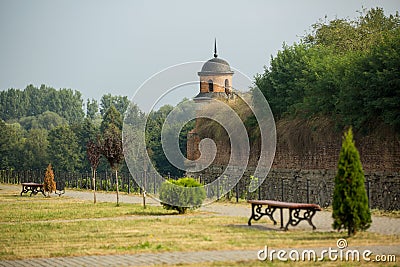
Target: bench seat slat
<point>288,205</point>
<point>32,184</point>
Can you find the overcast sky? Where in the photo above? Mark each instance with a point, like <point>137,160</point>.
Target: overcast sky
<point>100,47</point>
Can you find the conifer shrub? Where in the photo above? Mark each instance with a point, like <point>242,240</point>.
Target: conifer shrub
<point>49,185</point>
<point>175,196</point>
<point>350,201</point>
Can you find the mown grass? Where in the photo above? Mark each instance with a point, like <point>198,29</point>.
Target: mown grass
<point>59,226</point>
<point>28,209</point>
<point>378,213</point>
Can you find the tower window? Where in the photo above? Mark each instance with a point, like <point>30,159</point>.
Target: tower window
<point>210,86</point>
<point>227,90</point>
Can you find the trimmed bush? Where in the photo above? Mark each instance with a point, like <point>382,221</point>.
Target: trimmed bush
<point>174,194</point>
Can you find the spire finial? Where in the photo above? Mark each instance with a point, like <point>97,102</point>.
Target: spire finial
<point>215,48</point>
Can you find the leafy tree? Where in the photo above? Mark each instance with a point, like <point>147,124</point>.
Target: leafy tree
<point>29,122</point>
<point>92,109</point>
<point>283,84</point>
<point>11,145</point>
<point>371,91</point>
<point>85,132</point>
<point>111,117</point>
<point>353,35</point>
<point>35,152</point>
<point>47,120</point>
<point>350,201</point>
<point>35,97</point>
<point>111,148</point>
<point>121,103</point>
<point>13,104</point>
<point>49,184</point>
<point>64,149</point>
<point>134,123</point>
<point>154,125</point>
<point>344,70</point>
<point>72,103</point>
<point>33,101</point>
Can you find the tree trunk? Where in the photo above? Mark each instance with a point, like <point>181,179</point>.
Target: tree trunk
<point>94,185</point>
<point>144,190</point>
<point>116,180</point>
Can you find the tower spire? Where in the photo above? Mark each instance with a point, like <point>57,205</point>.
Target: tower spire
<point>215,48</point>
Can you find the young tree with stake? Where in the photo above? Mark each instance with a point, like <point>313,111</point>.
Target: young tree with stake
<point>112,150</point>
<point>93,152</point>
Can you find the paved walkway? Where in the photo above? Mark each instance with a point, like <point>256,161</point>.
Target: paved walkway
<point>322,220</point>
<point>179,258</point>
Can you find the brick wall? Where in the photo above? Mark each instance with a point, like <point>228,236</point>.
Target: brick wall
<point>293,165</point>
<point>375,154</point>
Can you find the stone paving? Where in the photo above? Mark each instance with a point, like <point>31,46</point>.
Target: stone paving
<point>178,258</point>
<point>147,259</point>
<point>322,220</point>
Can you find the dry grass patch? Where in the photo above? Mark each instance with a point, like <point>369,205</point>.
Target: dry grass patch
<point>50,227</point>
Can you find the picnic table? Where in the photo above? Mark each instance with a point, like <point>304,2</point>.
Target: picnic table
<point>297,211</point>
<point>33,187</point>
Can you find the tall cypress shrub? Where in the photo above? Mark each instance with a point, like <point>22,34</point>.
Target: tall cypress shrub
<point>49,184</point>
<point>350,201</point>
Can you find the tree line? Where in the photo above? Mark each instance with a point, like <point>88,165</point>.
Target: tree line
<point>33,137</point>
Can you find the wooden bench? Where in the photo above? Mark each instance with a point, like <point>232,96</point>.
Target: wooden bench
<point>297,211</point>
<point>33,187</point>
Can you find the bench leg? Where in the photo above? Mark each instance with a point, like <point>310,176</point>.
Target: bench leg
<point>252,215</point>
<point>24,190</point>
<point>33,191</point>
<point>42,190</point>
<point>60,192</point>
<point>295,217</point>
<point>312,213</point>
<point>257,213</point>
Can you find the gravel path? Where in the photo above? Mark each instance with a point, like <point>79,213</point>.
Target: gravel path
<point>323,221</point>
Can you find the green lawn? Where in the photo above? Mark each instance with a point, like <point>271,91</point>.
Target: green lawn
<point>60,226</point>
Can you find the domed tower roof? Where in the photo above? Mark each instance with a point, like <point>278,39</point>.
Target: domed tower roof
<point>215,66</point>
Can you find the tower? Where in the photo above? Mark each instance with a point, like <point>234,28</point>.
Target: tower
<point>215,78</point>
<point>215,82</point>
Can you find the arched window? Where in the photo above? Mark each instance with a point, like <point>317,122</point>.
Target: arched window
<point>227,89</point>
<point>210,86</point>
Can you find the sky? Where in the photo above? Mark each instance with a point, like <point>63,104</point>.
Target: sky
<point>100,47</point>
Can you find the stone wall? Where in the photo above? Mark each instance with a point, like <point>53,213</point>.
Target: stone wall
<point>314,186</point>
